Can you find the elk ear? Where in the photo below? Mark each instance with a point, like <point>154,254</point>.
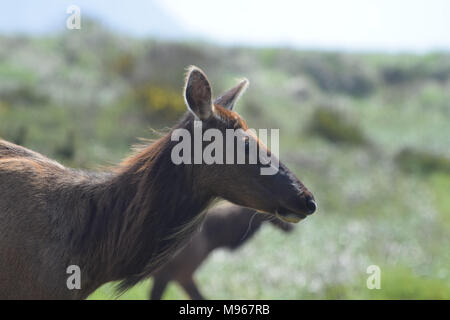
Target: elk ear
<point>198,93</point>
<point>229,98</point>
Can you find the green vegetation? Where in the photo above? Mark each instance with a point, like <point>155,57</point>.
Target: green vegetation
<point>367,133</point>
<point>422,162</point>
<point>331,125</point>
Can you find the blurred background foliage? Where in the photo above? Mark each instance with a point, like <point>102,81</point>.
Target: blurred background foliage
<point>369,134</point>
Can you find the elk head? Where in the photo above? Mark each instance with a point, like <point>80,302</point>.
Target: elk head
<point>280,193</point>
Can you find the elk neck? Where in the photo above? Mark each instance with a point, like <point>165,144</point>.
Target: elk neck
<point>140,214</point>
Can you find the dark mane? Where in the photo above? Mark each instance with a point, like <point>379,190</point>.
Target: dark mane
<point>134,209</point>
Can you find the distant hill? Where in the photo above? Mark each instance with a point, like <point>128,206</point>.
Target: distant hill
<point>137,17</point>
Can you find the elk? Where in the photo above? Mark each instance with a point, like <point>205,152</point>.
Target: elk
<point>123,224</point>
<point>225,226</point>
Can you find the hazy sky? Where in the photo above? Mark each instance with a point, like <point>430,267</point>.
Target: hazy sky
<point>352,24</point>
<point>381,25</point>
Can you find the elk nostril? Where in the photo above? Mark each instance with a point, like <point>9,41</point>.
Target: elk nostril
<point>311,206</point>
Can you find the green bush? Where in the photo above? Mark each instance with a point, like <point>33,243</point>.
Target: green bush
<point>158,102</point>
<point>407,68</point>
<point>418,161</point>
<point>22,94</point>
<point>338,73</point>
<point>333,126</point>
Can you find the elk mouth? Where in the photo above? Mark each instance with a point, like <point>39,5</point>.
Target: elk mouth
<point>289,215</point>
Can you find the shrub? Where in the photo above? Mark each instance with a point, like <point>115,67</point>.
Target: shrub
<point>159,102</point>
<point>418,161</point>
<point>22,94</point>
<point>336,73</point>
<point>333,126</point>
<point>124,65</point>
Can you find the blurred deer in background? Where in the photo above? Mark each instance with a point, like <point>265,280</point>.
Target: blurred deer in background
<point>124,224</point>
<point>225,226</point>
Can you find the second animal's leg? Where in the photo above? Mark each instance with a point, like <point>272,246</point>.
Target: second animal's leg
<point>191,289</point>
<point>159,285</point>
